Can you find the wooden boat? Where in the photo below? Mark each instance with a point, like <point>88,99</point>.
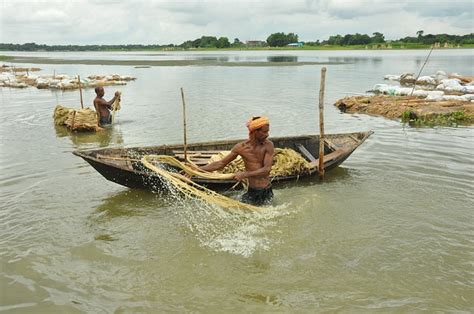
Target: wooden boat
<point>123,166</point>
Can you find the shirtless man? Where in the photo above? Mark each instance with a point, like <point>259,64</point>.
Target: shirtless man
<point>103,107</point>
<point>257,154</point>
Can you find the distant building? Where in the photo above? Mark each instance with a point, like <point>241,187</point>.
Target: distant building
<point>298,44</point>
<point>256,43</point>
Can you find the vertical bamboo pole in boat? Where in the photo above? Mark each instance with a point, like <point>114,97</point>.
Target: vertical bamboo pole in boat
<point>80,90</point>
<point>184,126</point>
<point>321,123</point>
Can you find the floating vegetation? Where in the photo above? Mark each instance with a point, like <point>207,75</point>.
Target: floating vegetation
<point>455,118</point>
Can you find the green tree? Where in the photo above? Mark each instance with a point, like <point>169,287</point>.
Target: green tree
<point>378,38</point>
<point>208,42</point>
<point>223,42</point>
<point>237,43</point>
<point>355,39</point>
<point>335,40</point>
<point>281,39</point>
<point>197,43</point>
<point>419,33</point>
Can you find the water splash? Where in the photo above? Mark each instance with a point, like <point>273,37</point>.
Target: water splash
<point>226,229</point>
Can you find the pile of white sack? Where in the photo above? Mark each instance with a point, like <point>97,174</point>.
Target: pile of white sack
<point>9,79</point>
<point>60,81</point>
<point>434,87</point>
<point>432,95</point>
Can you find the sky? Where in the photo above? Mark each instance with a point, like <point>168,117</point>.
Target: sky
<point>81,22</point>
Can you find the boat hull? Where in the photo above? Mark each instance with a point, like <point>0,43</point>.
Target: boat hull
<point>123,166</point>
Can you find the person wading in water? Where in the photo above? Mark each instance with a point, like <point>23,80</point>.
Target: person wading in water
<point>103,107</point>
<point>257,154</point>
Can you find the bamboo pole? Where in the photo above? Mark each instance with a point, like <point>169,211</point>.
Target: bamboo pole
<point>184,126</point>
<point>321,123</point>
<point>80,91</point>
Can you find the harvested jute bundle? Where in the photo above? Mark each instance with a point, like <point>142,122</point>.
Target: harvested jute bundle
<point>285,162</point>
<point>61,114</point>
<point>188,187</point>
<point>116,104</point>
<point>288,162</point>
<point>82,120</point>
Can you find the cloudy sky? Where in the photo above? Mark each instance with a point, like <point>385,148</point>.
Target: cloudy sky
<point>174,21</point>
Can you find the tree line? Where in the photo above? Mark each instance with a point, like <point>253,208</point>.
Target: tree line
<point>379,38</point>
<point>274,40</point>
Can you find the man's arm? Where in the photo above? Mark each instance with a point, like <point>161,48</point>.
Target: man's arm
<point>104,103</point>
<point>264,171</point>
<point>220,164</point>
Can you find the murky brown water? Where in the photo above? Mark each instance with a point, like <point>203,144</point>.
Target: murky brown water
<point>390,230</point>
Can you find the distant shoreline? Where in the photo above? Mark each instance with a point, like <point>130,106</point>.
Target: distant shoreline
<point>303,48</point>
<point>198,62</point>
<point>42,60</point>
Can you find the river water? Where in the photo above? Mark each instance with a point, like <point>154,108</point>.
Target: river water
<point>389,230</point>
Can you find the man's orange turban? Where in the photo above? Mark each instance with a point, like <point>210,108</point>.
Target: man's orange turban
<point>256,123</point>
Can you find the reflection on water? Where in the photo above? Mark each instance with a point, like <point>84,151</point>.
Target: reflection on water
<point>374,60</point>
<point>282,59</point>
<point>332,176</point>
<point>106,137</point>
<point>131,202</point>
<point>218,59</point>
<point>125,205</point>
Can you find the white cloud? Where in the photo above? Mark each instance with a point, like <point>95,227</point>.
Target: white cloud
<point>168,21</point>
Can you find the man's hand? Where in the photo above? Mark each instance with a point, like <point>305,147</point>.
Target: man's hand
<point>239,176</point>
